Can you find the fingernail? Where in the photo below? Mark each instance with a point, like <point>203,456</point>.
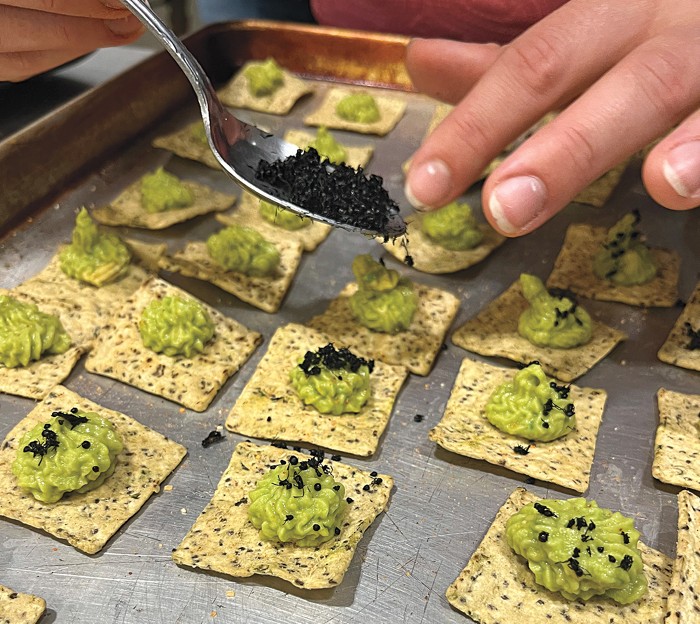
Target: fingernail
<point>124,27</point>
<point>515,202</point>
<point>682,169</point>
<point>429,185</point>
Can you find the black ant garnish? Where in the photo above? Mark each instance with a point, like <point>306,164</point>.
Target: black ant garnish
<point>333,359</point>
<point>214,436</point>
<point>545,511</point>
<point>522,450</point>
<point>626,562</point>
<point>71,417</point>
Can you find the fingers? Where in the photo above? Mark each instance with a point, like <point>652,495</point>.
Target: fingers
<point>99,9</point>
<point>671,172</point>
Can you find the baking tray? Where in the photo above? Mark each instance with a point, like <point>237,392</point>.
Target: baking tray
<point>442,504</point>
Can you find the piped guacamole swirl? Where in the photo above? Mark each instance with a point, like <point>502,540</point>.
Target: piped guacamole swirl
<point>327,147</point>
<point>161,191</point>
<point>453,227</point>
<point>552,320</point>
<point>94,257</point>
<point>244,250</point>
<point>358,107</point>
<point>264,78</point>
<point>578,549</point>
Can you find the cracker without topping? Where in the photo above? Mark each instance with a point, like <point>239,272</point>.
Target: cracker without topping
<point>464,429</point>
<point>498,587</point>
<point>16,608</point>
<point>268,407</point>
<point>224,540</point>
<point>87,521</point>
<point>674,350</point>
<point>184,143</point>
<point>494,331</point>
<point>119,353</point>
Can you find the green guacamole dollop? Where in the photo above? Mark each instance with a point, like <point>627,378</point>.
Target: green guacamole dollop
<point>552,320</point>
<point>72,452</point>
<point>161,191</point>
<point>280,217</point>
<point>358,107</point>
<point>578,549</point>
<point>299,502</point>
<point>198,133</point>
<point>453,227</point>
<point>243,249</point>
<point>176,326</point>
<point>94,257</point>
<point>264,78</point>
<point>26,333</point>
<point>384,301</point>
<point>532,406</point>
<point>327,147</point>
<point>625,259</point>
<point>333,381</point>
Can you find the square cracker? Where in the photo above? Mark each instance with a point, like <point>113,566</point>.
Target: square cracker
<point>247,213</point>
<point>429,257</point>
<point>185,144</point>
<point>465,430</point>
<point>677,446</point>
<point>683,603</point>
<point>235,93</point>
<point>494,331</point>
<point>16,608</point>
<point>87,521</point>
<point>415,348</point>
<point>265,293</point>
<point>119,353</point>
<point>391,109</point>
<point>357,156</point>
<point>127,209</point>
<point>573,270</point>
<point>674,350</point>
<point>497,586</point>
<point>223,540</point>
<point>268,407</point>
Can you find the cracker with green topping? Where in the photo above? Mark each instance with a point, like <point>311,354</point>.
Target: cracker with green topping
<point>235,93</point>
<point>494,331</point>
<point>16,608</point>
<point>188,143</point>
<point>573,270</point>
<point>683,601</point>
<point>268,407</point>
<point>465,430</point>
<point>127,209</point>
<point>87,521</point>
<point>119,353</point>
<point>416,348</point>
<point>675,350</point>
<point>357,156</point>
<point>223,540</point>
<point>391,110</point>
<point>497,586</point>
<point>677,445</point>
<point>429,257</point>
<point>247,213</point>
<point>265,293</point>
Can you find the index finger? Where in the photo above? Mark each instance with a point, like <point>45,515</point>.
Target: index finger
<point>99,9</point>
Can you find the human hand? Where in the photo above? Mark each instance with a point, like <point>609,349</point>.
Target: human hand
<point>624,74</point>
<point>38,35</point>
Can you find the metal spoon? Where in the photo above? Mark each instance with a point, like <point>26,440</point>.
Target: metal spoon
<point>238,146</point>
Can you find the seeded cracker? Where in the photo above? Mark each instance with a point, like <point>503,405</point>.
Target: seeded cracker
<point>357,156</point>
<point>268,406</point>
<point>87,521</point>
<point>391,109</point>
<point>236,94</point>
<point>429,257</point>
<point>573,270</point>
<point>184,143</point>
<point>674,350</point>
<point>683,602</point>
<point>494,331</point>
<point>247,213</point>
<point>193,382</point>
<point>127,208</point>
<point>465,430</point>
<point>224,540</point>
<point>16,608</point>
<point>677,445</point>
<point>416,348</point>
<point>497,586</point>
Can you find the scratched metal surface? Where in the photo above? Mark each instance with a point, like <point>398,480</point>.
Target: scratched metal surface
<point>442,503</point>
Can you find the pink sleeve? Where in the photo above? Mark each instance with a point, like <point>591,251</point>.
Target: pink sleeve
<point>465,20</point>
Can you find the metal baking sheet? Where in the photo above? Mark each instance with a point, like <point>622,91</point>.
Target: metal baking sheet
<point>442,503</point>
